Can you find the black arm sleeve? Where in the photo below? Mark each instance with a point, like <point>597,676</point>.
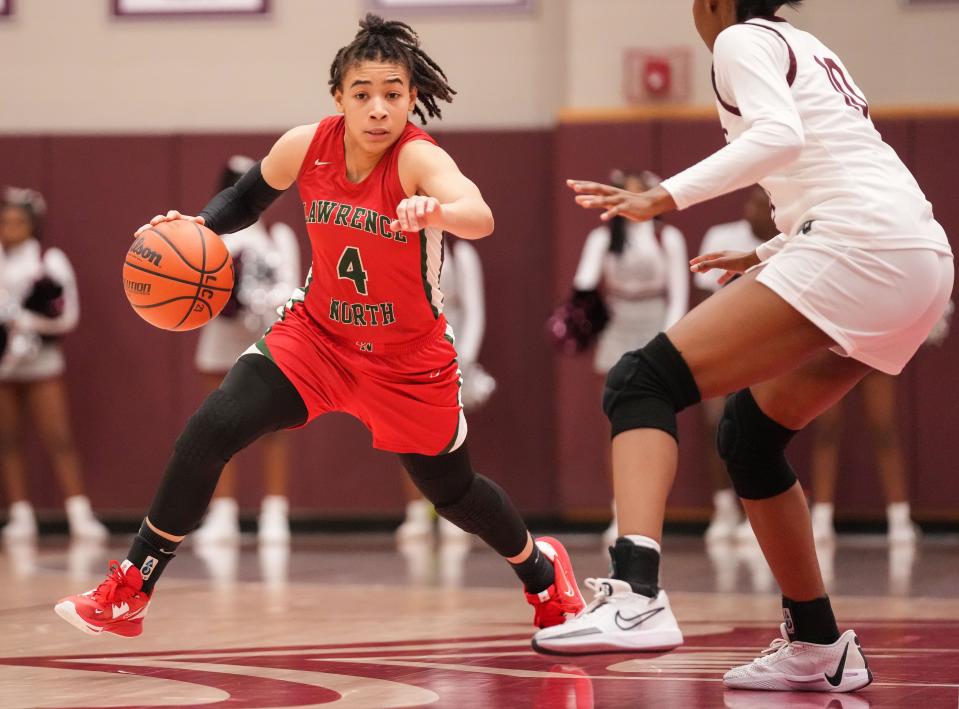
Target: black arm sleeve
<point>239,206</point>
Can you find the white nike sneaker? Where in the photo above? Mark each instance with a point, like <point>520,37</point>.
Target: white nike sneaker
<point>616,620</point>
<point>799,666</point>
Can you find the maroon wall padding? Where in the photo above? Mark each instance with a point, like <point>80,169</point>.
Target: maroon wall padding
<point>935,393</point>
<point>512,439</point>
<point>542,434</point>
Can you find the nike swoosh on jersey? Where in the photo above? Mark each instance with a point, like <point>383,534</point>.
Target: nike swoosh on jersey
<point>318,162</point>
<point>837,678</point>
<point>636,620</point>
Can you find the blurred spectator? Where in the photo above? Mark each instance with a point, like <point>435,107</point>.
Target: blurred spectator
<point>38,304</point>
<point>642,271</point>
<point>879,394</point>
<point>267,267</point>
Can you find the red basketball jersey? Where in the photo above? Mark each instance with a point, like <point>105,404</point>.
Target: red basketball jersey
<point>367,284</point>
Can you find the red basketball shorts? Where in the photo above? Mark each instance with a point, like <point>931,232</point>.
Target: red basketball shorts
<point>407,397</point>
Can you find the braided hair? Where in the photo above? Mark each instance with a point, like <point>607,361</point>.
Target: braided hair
<point>394,41</point>
<point>761,8</point>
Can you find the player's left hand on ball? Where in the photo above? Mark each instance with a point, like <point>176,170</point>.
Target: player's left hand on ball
<point>638,206</point>
<point>415,213</point>
<point>170,216</point>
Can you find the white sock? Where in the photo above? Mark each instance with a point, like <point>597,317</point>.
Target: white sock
<point>641,541</point>
<point>725,499</point>
<point>274,505</point>
<point>21,509</point>
<point>823,511</point>
<point>226,506</point>
<point>418,510</point>
<point>78,507</point>
<point>898,513</point>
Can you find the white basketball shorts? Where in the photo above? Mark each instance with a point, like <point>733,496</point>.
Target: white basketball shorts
<point>878,306</point>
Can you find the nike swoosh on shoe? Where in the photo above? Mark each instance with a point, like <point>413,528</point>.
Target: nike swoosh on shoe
<point>636,620</point>
<point>837,678</point>
<point>577,633</point>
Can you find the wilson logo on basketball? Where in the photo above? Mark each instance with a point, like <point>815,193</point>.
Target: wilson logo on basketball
<point>147,254</point>
<point>136,287</point>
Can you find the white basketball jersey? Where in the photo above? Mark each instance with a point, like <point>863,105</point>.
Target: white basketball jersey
<point>798,124</point>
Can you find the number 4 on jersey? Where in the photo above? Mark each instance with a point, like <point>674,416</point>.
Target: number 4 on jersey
<point>351,268</point>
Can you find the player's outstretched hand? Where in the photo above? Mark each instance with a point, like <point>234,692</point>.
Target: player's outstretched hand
<point>417,212</point>
<point>614,201</point>
<point>170,216</point>
<point>733,262</point>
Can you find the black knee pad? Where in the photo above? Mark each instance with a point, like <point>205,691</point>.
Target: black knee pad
<point>648,387</point>
<point>254,398</point>
<point>218,428</point>
<point>753,447</point>
<point>481,504</point>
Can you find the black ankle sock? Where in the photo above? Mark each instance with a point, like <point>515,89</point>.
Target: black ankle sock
<point>638,566</point>
<point>150,553</point>
<point>810,621</point>
<point>536,572</point>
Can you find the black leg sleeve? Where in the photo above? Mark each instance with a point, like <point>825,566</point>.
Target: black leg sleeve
<point>473,503</point>
<point>255,398</point>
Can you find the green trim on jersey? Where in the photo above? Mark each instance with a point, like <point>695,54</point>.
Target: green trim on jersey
<point>261,346</point>
<point>298,296</point>
<point>424,273</point>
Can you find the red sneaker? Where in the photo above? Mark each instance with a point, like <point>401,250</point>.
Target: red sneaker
<point>116,606</point>
<point>563,598</point>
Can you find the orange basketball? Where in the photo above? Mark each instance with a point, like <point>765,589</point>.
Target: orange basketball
<point>178,275</point>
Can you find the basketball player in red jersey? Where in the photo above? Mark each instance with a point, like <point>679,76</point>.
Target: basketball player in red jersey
<point>365,334</point>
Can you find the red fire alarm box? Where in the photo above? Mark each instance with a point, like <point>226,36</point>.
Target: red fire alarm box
<point>656,75</point>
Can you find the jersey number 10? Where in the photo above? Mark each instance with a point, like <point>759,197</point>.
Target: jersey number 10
<point>837,77</point>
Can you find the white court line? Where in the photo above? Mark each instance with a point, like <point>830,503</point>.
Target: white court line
<point>355,692</point>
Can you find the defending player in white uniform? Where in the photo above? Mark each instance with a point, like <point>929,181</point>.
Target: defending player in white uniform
<point>861,270</point>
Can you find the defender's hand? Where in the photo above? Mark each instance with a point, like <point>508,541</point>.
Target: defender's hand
<point>733,262</point>
<point>638,206</point>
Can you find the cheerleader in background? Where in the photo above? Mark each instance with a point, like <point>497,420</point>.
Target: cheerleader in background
<point>267,271</point>
<point>464,305</point>
<point>879,392</point>
<point>643,270</point>
<point>38,304</point>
